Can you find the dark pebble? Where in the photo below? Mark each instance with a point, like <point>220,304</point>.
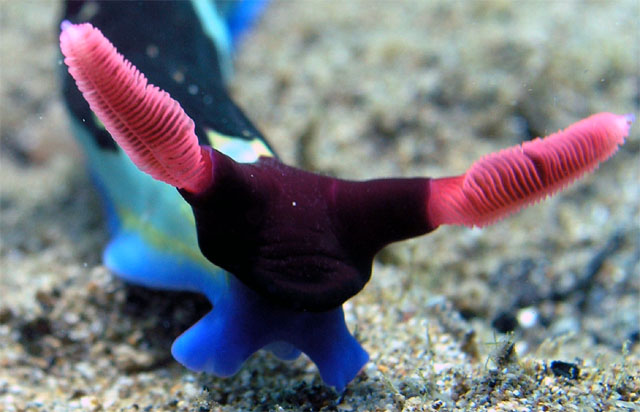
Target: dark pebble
<point>565,369</point>
<point>505,322</point>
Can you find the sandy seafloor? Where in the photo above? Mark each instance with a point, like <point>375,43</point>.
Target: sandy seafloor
<point>357,89</point>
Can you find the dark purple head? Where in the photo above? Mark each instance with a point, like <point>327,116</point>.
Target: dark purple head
<point>303,240</point>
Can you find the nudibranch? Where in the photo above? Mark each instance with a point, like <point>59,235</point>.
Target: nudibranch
<point>294,245</point>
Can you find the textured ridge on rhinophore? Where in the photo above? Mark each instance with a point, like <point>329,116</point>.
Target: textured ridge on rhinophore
<point>145,121</point>
<point>504,182</point>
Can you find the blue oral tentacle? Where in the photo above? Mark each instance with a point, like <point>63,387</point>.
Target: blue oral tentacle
<point>243,322</point>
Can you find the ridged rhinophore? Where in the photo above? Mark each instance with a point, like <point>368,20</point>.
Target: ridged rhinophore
<point>145,121</point>
<point>504,182</point>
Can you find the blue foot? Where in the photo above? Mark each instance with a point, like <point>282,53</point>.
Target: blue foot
<point>242,323</point>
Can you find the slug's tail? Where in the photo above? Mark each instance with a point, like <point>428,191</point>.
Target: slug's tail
<point>502,183</point>
<point>145,121</point>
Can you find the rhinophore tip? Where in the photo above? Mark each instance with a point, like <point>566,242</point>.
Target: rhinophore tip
<point>504,182</point>
<point>145,121</point>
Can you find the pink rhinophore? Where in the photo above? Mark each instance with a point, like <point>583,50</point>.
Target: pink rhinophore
<point>506,181</point>
<point>145,121</point>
